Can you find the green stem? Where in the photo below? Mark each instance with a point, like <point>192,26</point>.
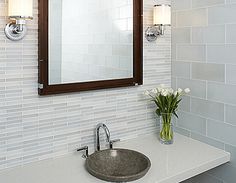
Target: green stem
<point>166,133</point>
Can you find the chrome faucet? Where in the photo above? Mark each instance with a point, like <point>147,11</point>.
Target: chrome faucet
<point>107,132</point>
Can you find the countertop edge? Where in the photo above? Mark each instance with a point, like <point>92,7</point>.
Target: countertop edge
<point>197,170</point>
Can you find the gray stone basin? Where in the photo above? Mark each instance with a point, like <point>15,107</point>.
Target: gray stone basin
<point>118,165</point>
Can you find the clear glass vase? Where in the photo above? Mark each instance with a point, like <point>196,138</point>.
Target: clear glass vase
<point>166,128</point>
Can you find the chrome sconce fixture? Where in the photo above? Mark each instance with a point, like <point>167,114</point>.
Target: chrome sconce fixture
<point>161,18</point>
<point>18,12</point>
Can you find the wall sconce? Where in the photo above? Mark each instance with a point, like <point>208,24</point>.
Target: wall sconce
<point>161,18</point>
<point>18,11</point>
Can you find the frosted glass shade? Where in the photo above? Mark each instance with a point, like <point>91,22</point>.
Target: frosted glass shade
<point>162,15</point>
<point>20,8</point>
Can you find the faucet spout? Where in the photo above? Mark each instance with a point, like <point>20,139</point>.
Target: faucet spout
<point>107,132</point>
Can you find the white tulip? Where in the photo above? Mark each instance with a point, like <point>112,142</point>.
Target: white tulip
<point>175,93</point>
<point>180,90</point>
<point>164,92</point>
<point>147,93</point>
<point>154,91</point>
<point>187,90</point>
<point>159,89</point>
<point>171,91</point>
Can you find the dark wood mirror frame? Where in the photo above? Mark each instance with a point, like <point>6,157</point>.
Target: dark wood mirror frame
<point>46,89</point>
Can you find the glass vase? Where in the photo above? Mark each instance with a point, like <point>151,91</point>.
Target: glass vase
<point>166,128</point>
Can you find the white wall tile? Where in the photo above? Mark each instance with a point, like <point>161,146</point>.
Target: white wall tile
<point>192,122</point>
<point>221,53</point>
<point>230,111</point>
<point>196,17</point>
<point>181,69</point>
<point>208,35</point>
<point>230,33</point>
<point>191,52</point>
<point>222,14</point>
<point>228,135</point>
<point>198,88</point>
<point>230,74</point>
<point>210,72</point>
<point>221,92</point>
<point>205,3</point>
<point>181,4</point>
<point>208,109</point>
<point>181,35</point>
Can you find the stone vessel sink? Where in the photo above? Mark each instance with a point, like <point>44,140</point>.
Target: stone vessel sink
<point>118,165</point>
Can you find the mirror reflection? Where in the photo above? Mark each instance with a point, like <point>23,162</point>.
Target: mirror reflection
<point>90,40</point>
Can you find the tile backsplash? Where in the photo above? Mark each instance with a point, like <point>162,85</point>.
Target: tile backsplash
<point>33,128</point>
<point>203,58</point>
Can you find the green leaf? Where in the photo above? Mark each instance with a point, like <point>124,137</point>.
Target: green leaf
<point>158,112</point>
<point>174,112</point>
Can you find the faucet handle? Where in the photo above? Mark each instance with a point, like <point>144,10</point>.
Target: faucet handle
<point>112,142</point>
<point>85,148</point>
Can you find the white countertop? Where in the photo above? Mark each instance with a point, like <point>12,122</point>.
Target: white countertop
<point>170,163</point>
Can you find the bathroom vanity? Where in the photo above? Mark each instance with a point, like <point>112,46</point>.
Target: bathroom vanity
<point>170,164</point>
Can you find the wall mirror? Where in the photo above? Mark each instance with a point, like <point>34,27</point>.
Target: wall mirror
<point>89,44</point>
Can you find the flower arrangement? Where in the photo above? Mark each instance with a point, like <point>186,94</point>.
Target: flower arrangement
<point>167,101</point>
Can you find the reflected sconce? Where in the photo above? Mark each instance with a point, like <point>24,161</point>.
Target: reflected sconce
<point>161,18</point>
<point>18,12</point>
